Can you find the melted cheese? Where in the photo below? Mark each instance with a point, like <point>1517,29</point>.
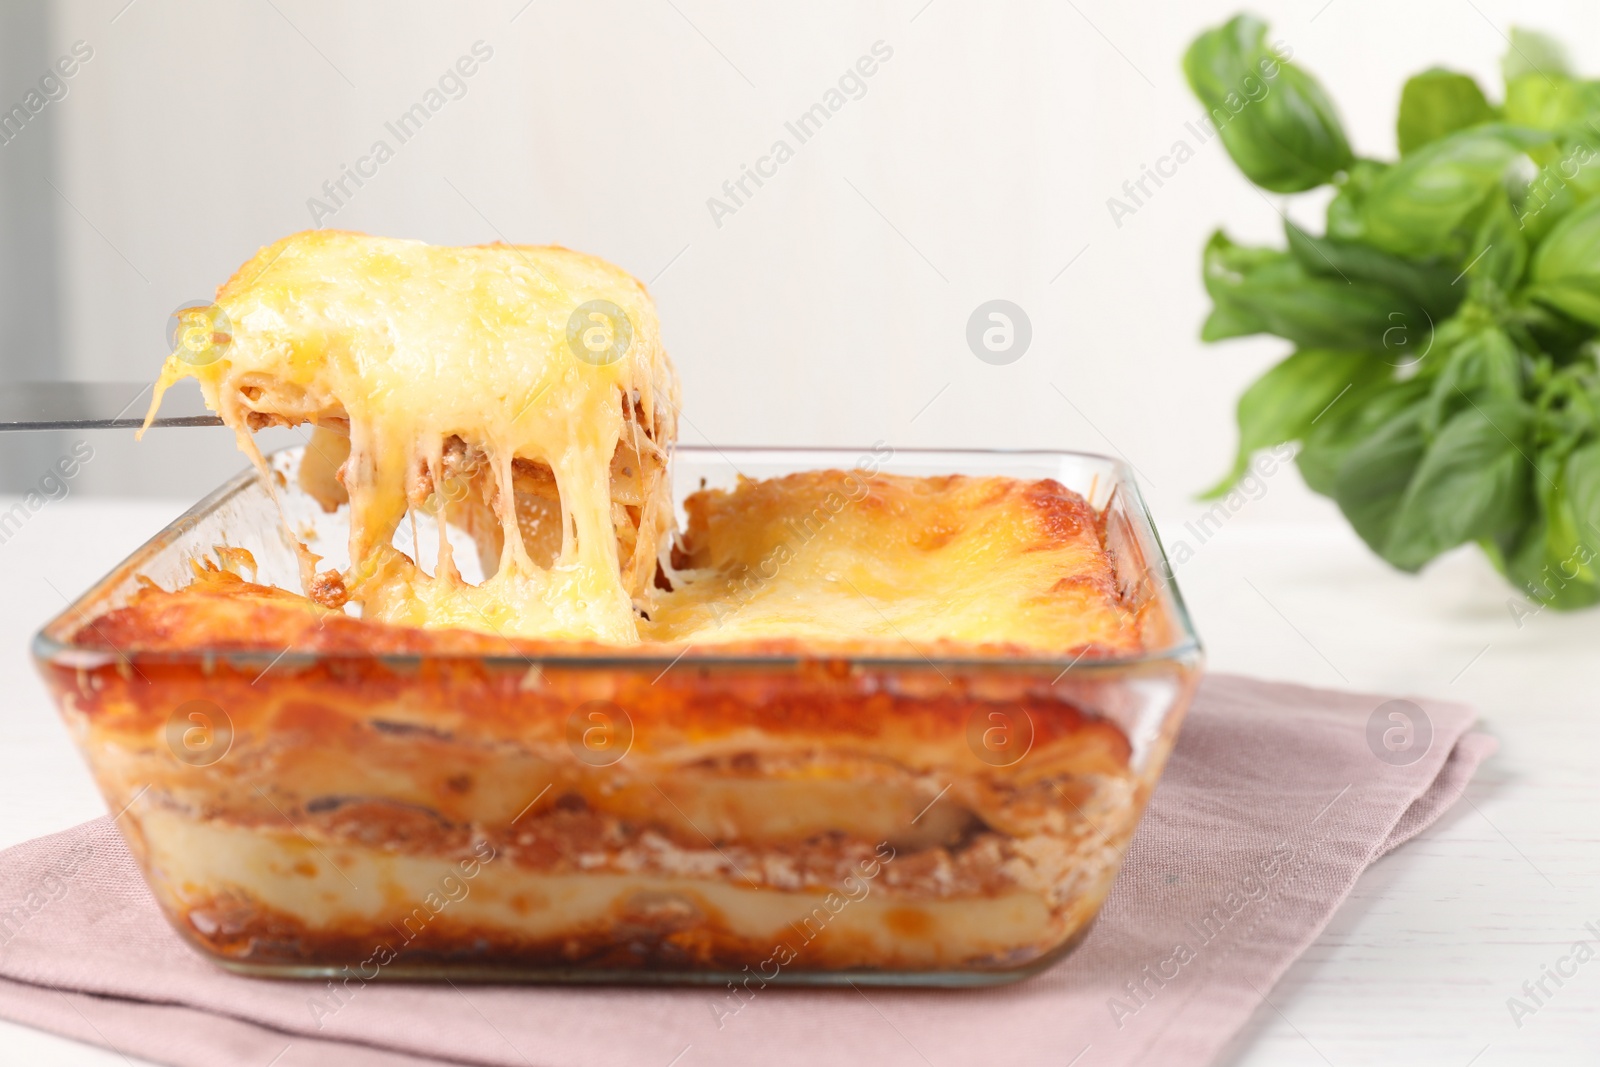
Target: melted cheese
<point>855,559</point>
<point>411,345</point>
<point>457,369</point>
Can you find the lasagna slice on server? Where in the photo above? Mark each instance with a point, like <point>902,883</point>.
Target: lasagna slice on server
<point>521,392</point>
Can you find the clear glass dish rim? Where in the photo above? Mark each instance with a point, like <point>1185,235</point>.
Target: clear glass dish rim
<point>1185,650</point>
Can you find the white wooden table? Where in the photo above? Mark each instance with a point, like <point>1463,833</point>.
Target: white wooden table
<point>1416,968</point>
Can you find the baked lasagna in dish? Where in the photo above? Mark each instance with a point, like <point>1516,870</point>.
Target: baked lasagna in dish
<point>834,720</point>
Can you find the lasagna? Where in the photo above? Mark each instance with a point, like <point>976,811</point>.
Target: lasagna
<point>771,771</point>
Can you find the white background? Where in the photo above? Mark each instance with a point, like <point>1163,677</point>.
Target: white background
<point>832,310</point>
<point>832,307</point>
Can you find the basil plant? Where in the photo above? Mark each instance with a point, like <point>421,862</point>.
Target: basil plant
<point>1443,387</point>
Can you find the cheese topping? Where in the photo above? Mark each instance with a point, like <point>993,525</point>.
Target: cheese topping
<point>531,354</point>
<point>862,559</point>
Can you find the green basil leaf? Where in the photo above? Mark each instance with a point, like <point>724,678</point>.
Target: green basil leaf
<point>1345,221</point>
<point>1226,321</point>
<point>1225,264</point>
<point>1428,286</point>
<point>1551,560</point>
<point>1566,267</point>
<point>1224,267</point>
<point>1275,120</point>
<point>1589,93</point>
<point>1532,52</point>
<point>1499,252</point>
<point>1578,297</point>
<point>1544,330</point>
<point>1581,476</point>
<point>1548,567</point>
<point>1483,367</point>
<point>1346,423</point>
<point>1436,103</point>
<point>1375,474</point>
<point>1559,186</point>
<point>1544,102</point>
<point>1425,205</point>
<point>1322,313</point>
<point>1284,402</point>
<point>1269,290</point>
<point>1473,483</point>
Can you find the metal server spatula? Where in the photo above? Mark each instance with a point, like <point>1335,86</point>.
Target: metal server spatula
<point>95,406</point>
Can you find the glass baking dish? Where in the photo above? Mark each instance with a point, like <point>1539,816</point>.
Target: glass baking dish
<point>700,817</point>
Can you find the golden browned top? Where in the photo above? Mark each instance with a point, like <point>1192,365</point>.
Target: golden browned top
<point>860,559</point>
<point>460,385</point>
<point>825,562</point>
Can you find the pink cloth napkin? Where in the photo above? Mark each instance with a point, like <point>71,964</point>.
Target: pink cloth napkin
<point>1274,802</point>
